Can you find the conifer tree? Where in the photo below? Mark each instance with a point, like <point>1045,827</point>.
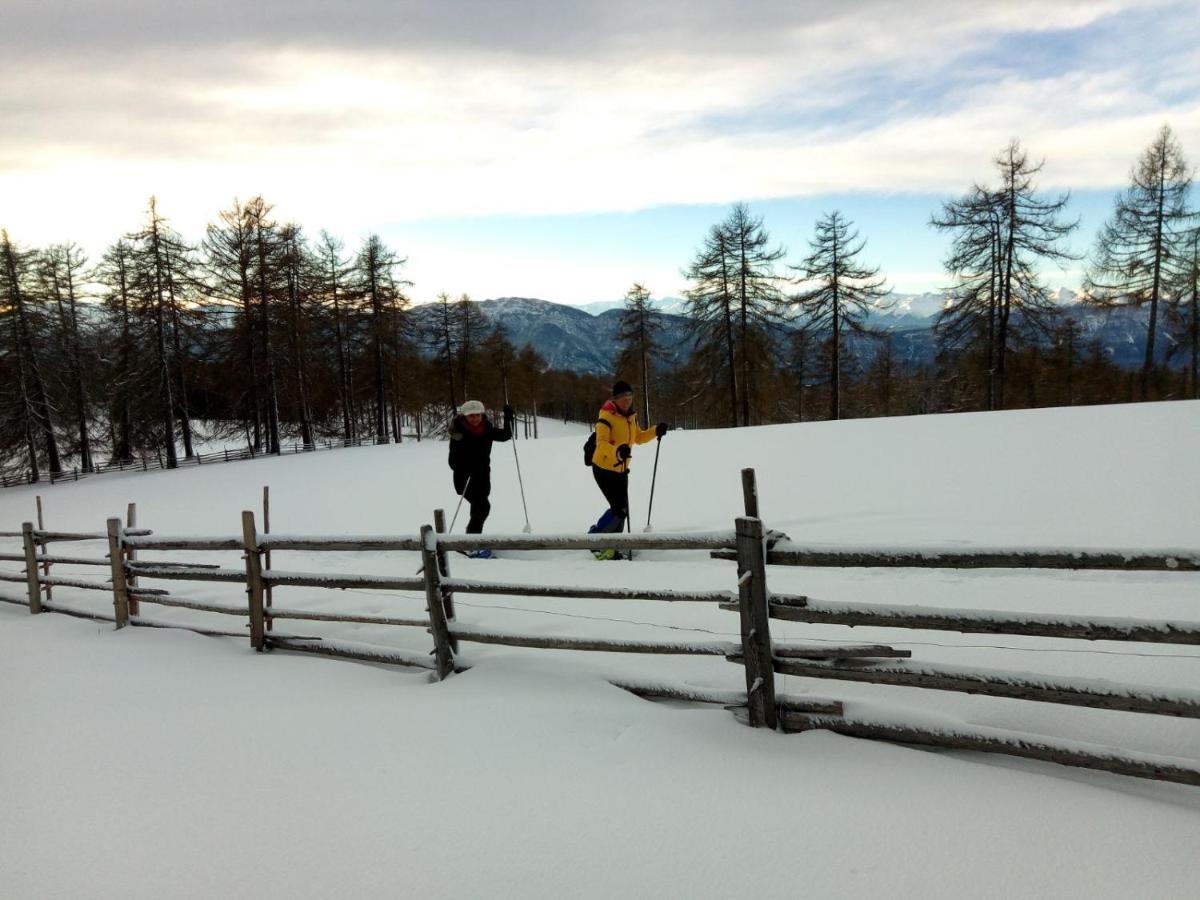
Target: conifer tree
<point>735,303</point>
<point>639,333</point>
<point>62,274</point>
<point>1142,249</point>
<point>1007,233</point>
<point>25,397</point>
<point>840,292</point>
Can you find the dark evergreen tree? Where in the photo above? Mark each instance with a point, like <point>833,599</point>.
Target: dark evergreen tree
<point>382,302</point>
<point>639,340</point>
<point>1142,248</point>
<point>735,303</point>
<point>62,273</point>
<point>1012,229</point>
<point>229,265</point>
<point>332,277</point>
<point>470,330</point>
<point>840,292</point>
<point>25,399</point>
<point>115,274</point>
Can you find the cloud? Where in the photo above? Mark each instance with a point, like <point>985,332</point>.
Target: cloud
<point>354,115</point>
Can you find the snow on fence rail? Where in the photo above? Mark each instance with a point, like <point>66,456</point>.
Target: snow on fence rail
<point>759,657</point>
<point>985,621</point>
<point>1166,560</point>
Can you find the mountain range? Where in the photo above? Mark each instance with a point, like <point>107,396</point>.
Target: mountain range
<point>583,338</point>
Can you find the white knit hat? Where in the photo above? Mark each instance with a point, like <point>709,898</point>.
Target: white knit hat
<point>472,408</point>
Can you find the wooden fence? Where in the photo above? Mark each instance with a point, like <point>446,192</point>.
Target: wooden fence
<point>145,463</point>
<point>749,543</point>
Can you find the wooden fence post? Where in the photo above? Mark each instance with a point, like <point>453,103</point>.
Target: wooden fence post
<point>45,551</point>
<point>254,582</point>
<point>267,555</point>
<point>116,560</point>
<point>442,653</point>
<point>756,630</point>
<point>750,493</point>
<point>31,568</point>
<point>439,524</point>
<point>131,556</point>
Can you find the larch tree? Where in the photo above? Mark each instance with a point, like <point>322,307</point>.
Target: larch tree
<point>837,293</point>
<point>62,272</point>
<point>441,338</point>
<point>1142,249</point>
<point>229,264</point>
<point>639,339</point>
<point>1183,314</point>
<point>971,317</point>
<point>25,395</point>
<point>300,315</point>
<point>710,312</point>
<point>332,277</point>
<point>381,301</point>
<point>115,274</point>
<point>735,303</point>
<point>1023,230</point>
<point>758,299</point>
<point>266,248</point>
<point>470,325</point>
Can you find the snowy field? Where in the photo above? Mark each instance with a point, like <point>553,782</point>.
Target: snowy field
<point>149,763</point>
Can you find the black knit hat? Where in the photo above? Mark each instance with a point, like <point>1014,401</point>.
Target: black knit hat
<point>622,387</point>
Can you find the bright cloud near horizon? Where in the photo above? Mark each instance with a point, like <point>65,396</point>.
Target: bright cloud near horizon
<point>564,150</point>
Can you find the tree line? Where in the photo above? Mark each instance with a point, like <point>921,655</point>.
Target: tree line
<point>265,333</point>
<point>773,340</point>
<point>259,331</point>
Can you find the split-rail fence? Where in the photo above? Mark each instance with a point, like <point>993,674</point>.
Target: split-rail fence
<point>749,543</point>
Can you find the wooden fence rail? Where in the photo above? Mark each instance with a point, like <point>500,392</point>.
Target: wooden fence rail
<point>1094,628</point>
<point>995,741</point>
<point>750,543</point>
<point>1170,560</point>
<point>596,593</point>
<point>145,464</point>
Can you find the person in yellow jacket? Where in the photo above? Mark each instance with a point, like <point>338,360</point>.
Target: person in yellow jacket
<point>617,433</point>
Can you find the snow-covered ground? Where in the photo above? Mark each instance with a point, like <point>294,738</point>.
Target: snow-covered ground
<point>148,762</point>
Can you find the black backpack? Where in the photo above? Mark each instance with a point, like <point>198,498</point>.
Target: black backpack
<point>589,449</point>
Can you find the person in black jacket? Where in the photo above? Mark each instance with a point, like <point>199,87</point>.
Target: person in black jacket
<point>471,438</point>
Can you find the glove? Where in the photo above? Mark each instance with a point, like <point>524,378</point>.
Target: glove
<point>661,428</point>
<point>509,412</point>
<point>623,452</point>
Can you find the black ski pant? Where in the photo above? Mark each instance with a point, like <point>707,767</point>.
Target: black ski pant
<point>478,489</point>
<point>615,487</point>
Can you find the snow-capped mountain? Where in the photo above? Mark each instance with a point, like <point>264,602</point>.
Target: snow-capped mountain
<point>571,337</point>
<point>567,337</point>
<point>673,305</point>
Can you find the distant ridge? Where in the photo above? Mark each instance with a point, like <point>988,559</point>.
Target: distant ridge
<point>583,338</point>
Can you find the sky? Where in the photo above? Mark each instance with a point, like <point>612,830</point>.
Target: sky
<point>564,150</point>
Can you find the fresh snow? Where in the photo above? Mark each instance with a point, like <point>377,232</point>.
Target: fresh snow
<point>151,762</point>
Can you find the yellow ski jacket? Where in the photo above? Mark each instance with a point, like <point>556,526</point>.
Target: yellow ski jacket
<point>613,429</point>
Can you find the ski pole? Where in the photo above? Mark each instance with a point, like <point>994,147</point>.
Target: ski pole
<point>528,529</point>
<point>455,519</point>
<point>461,497</point>
<point>653,479</point>
<point>628,511</point>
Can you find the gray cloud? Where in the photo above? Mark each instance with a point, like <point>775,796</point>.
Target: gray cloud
<point>536,28</point>
<point>541,105</point>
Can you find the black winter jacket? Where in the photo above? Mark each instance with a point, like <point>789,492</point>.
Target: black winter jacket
<point>472,453</point>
